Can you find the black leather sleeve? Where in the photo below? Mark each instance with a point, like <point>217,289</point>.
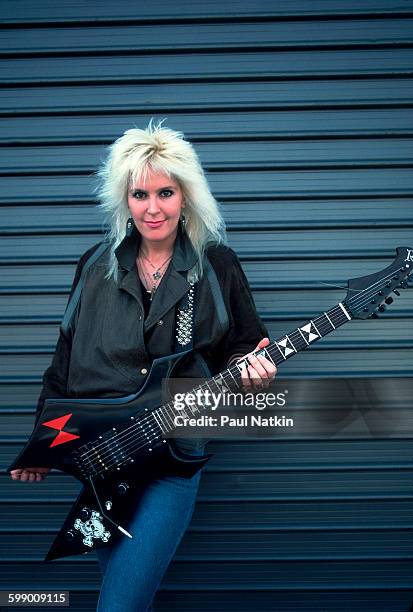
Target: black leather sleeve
<point>54,380</point>
<point>245,326</point>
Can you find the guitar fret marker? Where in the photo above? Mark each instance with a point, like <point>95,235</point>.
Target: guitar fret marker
<point>221,384</point>
<point>311,332</point>
<point>287,350</point>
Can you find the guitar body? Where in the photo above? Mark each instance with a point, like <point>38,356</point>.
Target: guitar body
<point>113,446</point>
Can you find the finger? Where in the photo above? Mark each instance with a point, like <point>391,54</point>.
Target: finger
<point>264,355</point>
<point>259,374</point>
<point>39,477</point>
<point>32,476</point>
<point>256,380</point>
<point>262,344</point>
<point>245,379</point>
<point>24,476</point>
<point>270,368</point>
<point>257,365</point>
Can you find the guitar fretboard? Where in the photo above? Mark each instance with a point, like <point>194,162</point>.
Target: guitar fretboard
<point>301,337</point>
<point>279,351</point>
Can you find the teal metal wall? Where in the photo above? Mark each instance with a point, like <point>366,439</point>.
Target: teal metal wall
<point>302,115</point>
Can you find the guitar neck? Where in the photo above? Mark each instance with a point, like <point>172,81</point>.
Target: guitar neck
<point>279,351</point>
<point>301,337</point>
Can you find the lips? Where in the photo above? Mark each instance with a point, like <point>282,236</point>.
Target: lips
<point>154,224</point>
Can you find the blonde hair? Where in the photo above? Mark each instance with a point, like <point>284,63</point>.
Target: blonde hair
<point>157,149</point>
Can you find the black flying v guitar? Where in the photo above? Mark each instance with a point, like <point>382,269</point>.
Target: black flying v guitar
<point>112,444</point>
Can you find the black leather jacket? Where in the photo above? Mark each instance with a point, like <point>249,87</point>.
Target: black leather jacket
<point>108,347</point>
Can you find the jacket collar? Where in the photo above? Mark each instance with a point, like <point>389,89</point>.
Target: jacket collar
<point>183,259</point>
<point>173,285</point>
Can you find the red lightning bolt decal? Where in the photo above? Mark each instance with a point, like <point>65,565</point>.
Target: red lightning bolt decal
<point>62,436</point>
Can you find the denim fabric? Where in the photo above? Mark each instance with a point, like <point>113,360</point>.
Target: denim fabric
<point>133,568</point>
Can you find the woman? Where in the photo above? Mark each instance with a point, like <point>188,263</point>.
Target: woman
<point>164,228</point>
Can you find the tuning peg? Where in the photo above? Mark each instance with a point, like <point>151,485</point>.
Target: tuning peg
<point>396,292</point>
<point>389,300</point>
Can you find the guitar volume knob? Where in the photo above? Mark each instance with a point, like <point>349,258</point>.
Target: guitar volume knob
<point>85,514</point>
<point>123,488</point>
<point>70,535</point>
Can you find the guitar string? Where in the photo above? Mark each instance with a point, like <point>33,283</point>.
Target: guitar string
<point>380,282</point>
<point>125,436</point>
<point>141,436</point>
<point>339,312</point>
<point>336,308</point>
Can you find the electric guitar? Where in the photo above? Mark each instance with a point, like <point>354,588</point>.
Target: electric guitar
<point>111,445</point>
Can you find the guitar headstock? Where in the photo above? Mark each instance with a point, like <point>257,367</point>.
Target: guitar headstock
<point>368,294</point>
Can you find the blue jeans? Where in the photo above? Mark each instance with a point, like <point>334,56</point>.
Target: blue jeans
<point>133,568</point>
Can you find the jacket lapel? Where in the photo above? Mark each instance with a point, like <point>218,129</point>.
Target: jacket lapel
<point>173,285</point>
<point>130,283</point>
<point>170,290</point>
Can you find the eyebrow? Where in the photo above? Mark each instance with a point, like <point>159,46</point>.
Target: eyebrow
<point>160,188</point>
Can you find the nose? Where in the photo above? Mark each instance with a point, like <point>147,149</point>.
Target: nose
<point>153,207</point>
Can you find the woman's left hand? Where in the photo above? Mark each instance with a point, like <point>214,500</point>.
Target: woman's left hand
<point>261,371</point>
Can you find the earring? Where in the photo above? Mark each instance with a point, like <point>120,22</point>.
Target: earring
<point>129,226</point>
<point>183,221</point>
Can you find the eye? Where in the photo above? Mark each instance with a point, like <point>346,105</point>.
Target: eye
<point>139,194</point>
<point>166,193</point>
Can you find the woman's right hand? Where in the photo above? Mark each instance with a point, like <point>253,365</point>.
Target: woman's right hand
<point>35,474</point>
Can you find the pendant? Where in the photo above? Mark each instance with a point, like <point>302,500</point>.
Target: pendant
<point>156,275</point>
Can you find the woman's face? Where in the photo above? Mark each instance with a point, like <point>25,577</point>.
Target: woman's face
<point>156,207</point>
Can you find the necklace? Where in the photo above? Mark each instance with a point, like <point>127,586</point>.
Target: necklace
<point>151,284</point>
<point>157,274</point>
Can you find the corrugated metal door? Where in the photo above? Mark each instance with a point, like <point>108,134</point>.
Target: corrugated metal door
<point>302,115</point>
